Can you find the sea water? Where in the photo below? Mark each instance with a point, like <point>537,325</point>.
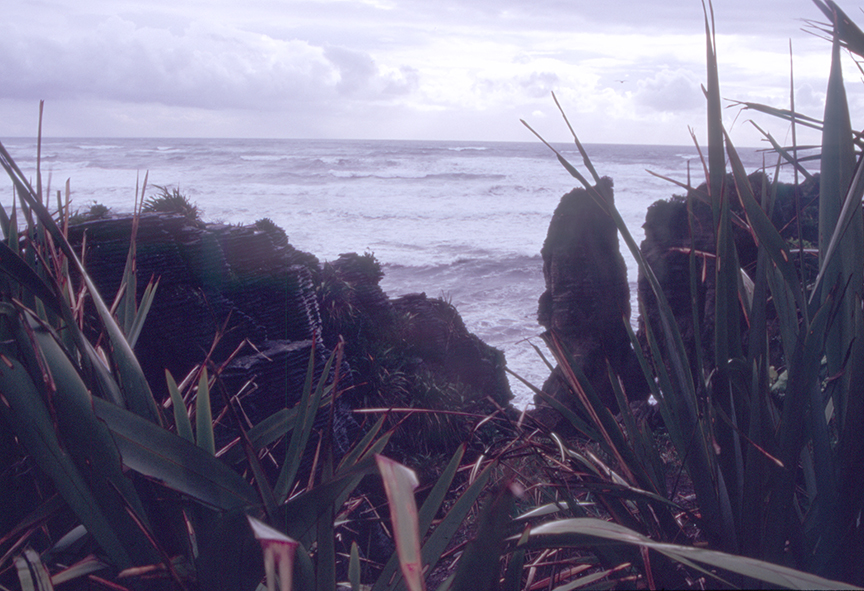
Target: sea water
<point>460,220</point>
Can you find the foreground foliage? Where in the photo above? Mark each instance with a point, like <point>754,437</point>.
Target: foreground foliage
<point>774,463</point>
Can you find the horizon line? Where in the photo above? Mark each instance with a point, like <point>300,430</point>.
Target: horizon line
<point>310,139</point>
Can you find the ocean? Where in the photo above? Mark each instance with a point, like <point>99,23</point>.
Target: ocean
<point>460,220</point>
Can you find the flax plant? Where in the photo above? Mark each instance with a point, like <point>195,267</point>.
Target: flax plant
<point>776,478</point>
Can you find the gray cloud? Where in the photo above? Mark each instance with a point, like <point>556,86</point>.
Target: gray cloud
<point>360,76</point>
<point>539,84</point>
<point>217,66</point>
<point>356,68</point>
<point>206,67</point>
<point>533,85</point>
<point>403,81</point>
<point>670,91</point>
<point>809,101</point>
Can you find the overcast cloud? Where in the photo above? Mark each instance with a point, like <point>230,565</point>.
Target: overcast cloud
<point>626,71</point>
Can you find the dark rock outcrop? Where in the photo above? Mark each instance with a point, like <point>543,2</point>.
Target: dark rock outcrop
<point>587,294</point>
<point>666,249</point>
<point>239,282</point>
<point>670,233</point>
<point>410,352</point>
<point>206,274</point>
<point>587,297</point>
<point>436,338</point>
<point>249,285</point>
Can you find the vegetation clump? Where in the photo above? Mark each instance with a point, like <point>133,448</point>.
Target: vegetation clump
<point>96,211</point>
<point>269,227</point>
<point>171,200</point>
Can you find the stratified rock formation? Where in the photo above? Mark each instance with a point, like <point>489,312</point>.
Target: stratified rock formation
<point>587,298</point>
<point>437,341</point>
<point>273,304</point>
<point>243,283</point>
<point>666,249</point>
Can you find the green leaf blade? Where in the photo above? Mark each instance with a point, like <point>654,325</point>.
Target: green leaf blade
<point>204,415</point>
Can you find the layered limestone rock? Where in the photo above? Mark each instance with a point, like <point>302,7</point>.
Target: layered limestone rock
<point>273,304</point>
<point>437,340</point>
<point>244,283</point>
<point>587,297</point>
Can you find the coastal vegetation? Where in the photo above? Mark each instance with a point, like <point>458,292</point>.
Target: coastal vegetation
<point>751,480</point>
<point>171,200</point>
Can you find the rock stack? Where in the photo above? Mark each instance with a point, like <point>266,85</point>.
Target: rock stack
<point>587,298</point>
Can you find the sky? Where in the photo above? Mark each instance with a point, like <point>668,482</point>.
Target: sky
<point>625,71</point>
